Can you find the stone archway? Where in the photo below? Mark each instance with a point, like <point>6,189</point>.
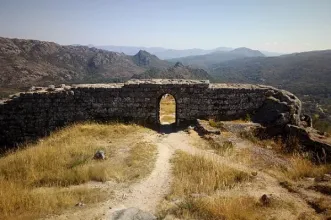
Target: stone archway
<point>167,109</point>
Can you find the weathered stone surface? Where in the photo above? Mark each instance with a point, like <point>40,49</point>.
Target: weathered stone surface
<point>311,140</point>
<point>132,214</point>
<point>36,113</point>
<point>203,127</point>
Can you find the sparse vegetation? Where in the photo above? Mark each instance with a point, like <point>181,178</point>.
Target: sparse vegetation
<point>32,179</point>
<point>220,147</point>
<point>302,167</point>
<point>196,180</point>
<point>215,124</point>
<point>197,174</point>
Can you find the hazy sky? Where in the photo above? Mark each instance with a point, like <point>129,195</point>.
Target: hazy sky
<point>274,25</point>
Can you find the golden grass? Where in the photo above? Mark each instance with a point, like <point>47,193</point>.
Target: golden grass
<point>197,174</point>
<point>203,177</point>
<point>168,109</point>
<point>32,179</point>
<point>302,167</point>
<point>23,202</point>
<point>168,118</point>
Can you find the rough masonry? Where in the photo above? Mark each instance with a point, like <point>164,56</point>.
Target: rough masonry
<point>36,113</point>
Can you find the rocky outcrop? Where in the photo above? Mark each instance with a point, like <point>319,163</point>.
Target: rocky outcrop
<point>32,114</point>
<point>311,140</point>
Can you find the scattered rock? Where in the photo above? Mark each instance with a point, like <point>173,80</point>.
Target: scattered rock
<point>67,87</point>
<point>132,214</point>
<point>100,155</point>
<point>51,88</point>
<point>322,188</point>
<point>265,200</point>
<point>80,204</point>
<point>326,177</point>
<point>254,173</point>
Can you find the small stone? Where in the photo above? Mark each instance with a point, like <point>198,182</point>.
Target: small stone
<point>67,87</point>
<point>254,173</point>
<point>80,204</point>
<point>265,200</point>
<point>100,155</point>
<point>51,88</point>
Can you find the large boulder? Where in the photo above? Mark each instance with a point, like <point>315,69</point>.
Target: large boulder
<point>279,109</point>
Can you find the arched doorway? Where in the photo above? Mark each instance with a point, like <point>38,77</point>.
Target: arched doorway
<point>167,109</point>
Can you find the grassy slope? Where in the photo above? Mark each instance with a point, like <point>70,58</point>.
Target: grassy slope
<point>36,180</point>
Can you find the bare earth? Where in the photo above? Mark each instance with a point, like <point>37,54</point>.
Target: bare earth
<point>149,192</point>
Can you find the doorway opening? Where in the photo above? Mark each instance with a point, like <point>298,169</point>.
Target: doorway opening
<point>167,113</point>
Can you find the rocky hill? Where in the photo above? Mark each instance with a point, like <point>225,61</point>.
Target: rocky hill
<point>147,60</point>
<point>178,71</point>
<point>31,62</point>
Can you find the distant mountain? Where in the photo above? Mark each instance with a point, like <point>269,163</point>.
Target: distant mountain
<point>178,71</point>
<point>160,52</point>
<point>30,62</point>
<point>246,52</point>
<point>307,75</point>
<point>145,59</point>
<point>209,60</point>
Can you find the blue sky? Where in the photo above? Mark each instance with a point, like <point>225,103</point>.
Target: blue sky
<point>274,25</point>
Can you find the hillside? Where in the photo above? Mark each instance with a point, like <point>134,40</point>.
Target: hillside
<point>178,71</point>
<point>31,62</point>
<point>308,75</point>
<point>208,60</point>
<point>147,60</point>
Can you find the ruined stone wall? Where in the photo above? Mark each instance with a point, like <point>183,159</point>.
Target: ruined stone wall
<point>36,113</point>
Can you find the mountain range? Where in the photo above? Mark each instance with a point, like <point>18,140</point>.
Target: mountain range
<point>164,53</point>
<point>30,62</point>
<point>208,60</point>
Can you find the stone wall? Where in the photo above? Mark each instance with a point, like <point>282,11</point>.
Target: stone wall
<point>36,113</point>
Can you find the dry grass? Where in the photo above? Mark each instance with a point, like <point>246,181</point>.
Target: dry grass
<point>168,109</point>
<point>197,174</point>
<point>196,181</point>
<point>32,180</point>
<point>303,167</point>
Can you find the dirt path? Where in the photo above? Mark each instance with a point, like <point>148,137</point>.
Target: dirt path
<point>148,192</point>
